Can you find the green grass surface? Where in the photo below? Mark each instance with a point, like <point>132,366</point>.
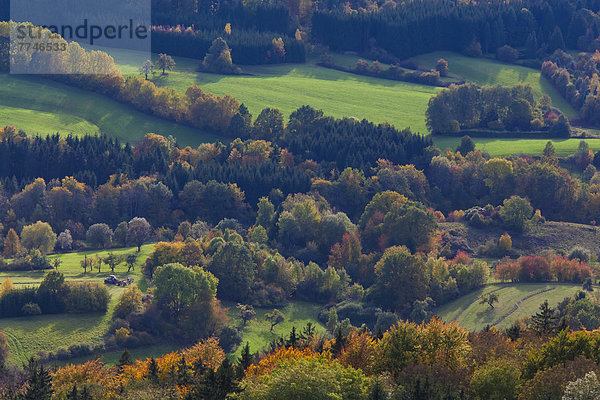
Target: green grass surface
<point>486,72</point>
<point>290,86</point>
<point>28,335</point>
<point>502,147</point>
<point>472,315</point>
<point>40,106</point>
<point>257,332</point>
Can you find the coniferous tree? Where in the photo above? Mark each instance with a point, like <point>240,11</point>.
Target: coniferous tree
<point>39,382</point>
<point>544,321</point>
<point>245,360</point>
<point>125,359</point>
<point>556,40</point>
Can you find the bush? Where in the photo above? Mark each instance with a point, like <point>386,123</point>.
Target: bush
<point>31,309</point>
<point>505,243</point>
<point>507,54</point>
<point>87,297</point>
<point>580,253</point>
<point>473,50</point>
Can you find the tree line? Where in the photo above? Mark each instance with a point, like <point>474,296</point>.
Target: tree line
<point>427,26</point>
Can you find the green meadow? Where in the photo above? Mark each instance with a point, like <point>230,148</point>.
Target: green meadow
<point>28,335</point>
<point>515,301</point>
<point>40,106</point>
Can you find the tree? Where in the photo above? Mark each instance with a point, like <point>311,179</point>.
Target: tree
<point>268,125</point>
<point>65,241</point>
<point>332,320</point>
<point>401,279</point>
<point>247,312</point>
<point>130,259</point>
<point>516,212</point>
<point>38,236</point>
<point>549,154</point>
<point>490,299</point>
<point>497,379</point>
<point>314,378</point>
<point>507,54</point>
<point>129,302</point>
<point>112,260</point>
<point>235,269</point>
<point>275,317</point>
<point>39,382</point>
<point>245,360</point>
<point>52,292</point>
<point>11,244</point>
<point>178,287</point>
<point>99,235</point>
<point>466,145</point>
<point>544,321</point>
<point>125,359</point>
<point>138,232</point>
<point>531,46</point>
<point>218,59</point>
<point>6,286</point>
<point>146,68</point>
<point>442,67</point>
<point>556,40</point>
<point>265,214</point>
<point>586,388</point>
<point>86,263</point>
<point>165,62</point>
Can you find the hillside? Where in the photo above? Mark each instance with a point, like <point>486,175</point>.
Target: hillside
<point>514,301</point>
<point>561,236</point>
<point>40,106</point>
<point>28,335</point>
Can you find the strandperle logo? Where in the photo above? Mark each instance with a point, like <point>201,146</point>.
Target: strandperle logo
<point>49,36</point>
<point>86,31</point>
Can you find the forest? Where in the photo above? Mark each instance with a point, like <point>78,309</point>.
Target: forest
<point>283,250</point>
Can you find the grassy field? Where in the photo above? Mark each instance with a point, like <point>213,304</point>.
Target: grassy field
<point>290,86</point>
<point>40,106</point>
<point>502,147</point>
<point>341,94</point>
<point>257,332</point>
<point>515,301</point>
<point>487,72</point>
<point>28,335</point>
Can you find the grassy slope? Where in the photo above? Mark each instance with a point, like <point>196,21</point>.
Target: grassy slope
<point>42,106</point>
<point>342,94</point>
<point>290,86</point>
<point>548,236</point>
<point>474,316</point>
<point>489,72</point>
<point>257,333</point>
<point>27,335</point>
<point>486,72</point>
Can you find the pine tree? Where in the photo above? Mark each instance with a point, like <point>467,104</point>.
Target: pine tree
<point>293,340</point>
<point>531,46</point>
<point>74,394</point>
<point>125,359</point>
<point>245,360</point>
<point>183,372</point>
<point>339,342</point>
<point>377,391</point>
<point>39,382</point>
<point>544,321</point>
<point>556,40</point>
<point>153,370</point>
